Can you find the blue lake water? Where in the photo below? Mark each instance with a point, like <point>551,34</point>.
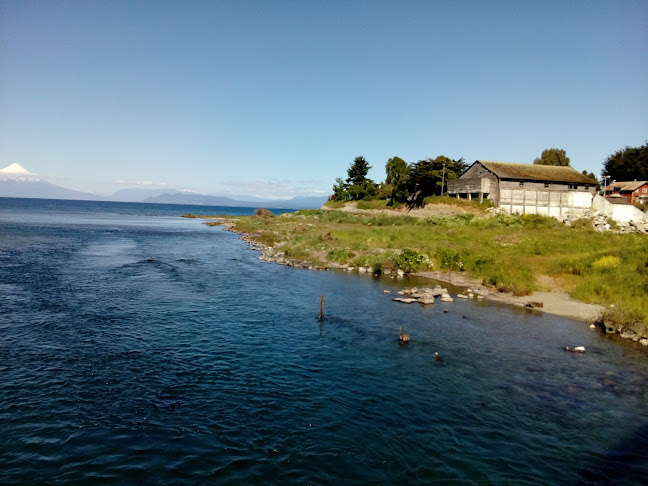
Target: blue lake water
<point>211,369</point>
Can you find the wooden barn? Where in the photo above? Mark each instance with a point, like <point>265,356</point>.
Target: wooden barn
<point>526,188</point>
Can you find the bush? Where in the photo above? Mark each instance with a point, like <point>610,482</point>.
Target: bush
<point>582,223</point>
<point>503,220</point>
<point>409,260</point>
<point>606,263</point>
<point>539,221</point>
<point>451,259</point>
<point>339,255</point>
<point>263,213</point>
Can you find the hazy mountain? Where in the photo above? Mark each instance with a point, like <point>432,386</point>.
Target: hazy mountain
<point>139,194</point>
<point>205,200</point>
<point>16,181</point>
<point>41,190</point>
<point>195,199</point>
<point>306,202</point>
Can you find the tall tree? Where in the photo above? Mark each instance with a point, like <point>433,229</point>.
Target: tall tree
<point>552,156</point>
<point>428,175</point>
<point>398,174</point>
<point>628,164</point>
<point>358,171</point>
<point>358,185</point>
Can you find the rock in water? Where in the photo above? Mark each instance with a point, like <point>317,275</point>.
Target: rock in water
<point>577,349</point>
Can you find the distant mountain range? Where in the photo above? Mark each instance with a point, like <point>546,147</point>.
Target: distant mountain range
<point>16,181</point>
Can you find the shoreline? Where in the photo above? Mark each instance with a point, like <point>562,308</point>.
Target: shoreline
<point>554,303</point>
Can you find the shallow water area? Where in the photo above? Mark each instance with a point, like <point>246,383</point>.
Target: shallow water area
<point>140,347</point>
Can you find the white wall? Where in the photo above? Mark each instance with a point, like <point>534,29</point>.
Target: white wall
<point>623,213</point>
<point>558,204</point>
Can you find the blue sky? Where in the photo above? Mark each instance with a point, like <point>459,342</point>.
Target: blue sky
<point>275,99</point>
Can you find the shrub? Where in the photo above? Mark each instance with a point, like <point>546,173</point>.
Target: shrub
<point>606,263</point>
<point>613,224</point>
<point>338,255</point>
<point>539,221</point>
<point>409,260</point>
<point>642,267</point>
<point>263,213</point>
<point>503,220</point>
<point>582,223</point>
<point>451,259</point>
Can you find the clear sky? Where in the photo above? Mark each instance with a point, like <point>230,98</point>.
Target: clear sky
<point>276,98</point>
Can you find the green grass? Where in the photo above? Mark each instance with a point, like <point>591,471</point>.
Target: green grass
<point>512,253</point>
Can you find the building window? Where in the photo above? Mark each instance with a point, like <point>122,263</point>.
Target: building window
<point>521,184</point>
<point>644,190</point>
<point>573,186</point>
<point>546,184</point>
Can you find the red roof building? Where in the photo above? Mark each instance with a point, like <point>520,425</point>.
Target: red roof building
<point>633,192</point>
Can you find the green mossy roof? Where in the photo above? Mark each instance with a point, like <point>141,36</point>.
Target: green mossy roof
<point>533,172</point>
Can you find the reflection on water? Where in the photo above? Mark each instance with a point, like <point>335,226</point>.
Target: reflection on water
<point>117,368</point>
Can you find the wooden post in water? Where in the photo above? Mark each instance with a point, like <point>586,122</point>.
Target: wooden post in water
<point>322,308</point>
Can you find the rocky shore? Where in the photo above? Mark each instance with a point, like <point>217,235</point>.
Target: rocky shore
<point>555,303</point>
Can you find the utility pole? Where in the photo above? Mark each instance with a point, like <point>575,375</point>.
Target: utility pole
<point>442,179</point>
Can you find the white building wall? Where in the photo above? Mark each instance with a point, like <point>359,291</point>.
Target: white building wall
<point>623,213</point>
<point>536,199</point>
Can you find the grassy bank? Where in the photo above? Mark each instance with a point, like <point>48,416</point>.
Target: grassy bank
<point>511,253</point>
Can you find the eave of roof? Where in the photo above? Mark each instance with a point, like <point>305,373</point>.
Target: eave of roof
<point>533,172</point>
<point>631,186</point>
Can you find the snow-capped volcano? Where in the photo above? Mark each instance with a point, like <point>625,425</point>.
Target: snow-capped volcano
<point>17,172</point>
<point>15,169</point>
<point>16,181</point>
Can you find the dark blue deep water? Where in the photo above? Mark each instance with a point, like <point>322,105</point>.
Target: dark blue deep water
<point>212,370</point>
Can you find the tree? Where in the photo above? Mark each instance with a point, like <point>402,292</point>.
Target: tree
<point>398,174</point>
<point>592,176</point>
<point>340,190</point>
<point>553,156</point>
<point>358,171</point>
<point>428,175</point>
<point>358,185</point>
<point>628,164</point>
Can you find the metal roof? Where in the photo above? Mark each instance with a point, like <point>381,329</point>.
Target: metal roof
<point>628,186</point>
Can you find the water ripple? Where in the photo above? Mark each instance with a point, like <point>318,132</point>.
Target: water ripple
<point>117,369</point>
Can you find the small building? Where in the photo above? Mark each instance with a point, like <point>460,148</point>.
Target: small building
<point>527,188</point>
<point>633,192</point>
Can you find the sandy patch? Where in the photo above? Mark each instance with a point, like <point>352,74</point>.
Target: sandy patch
<point>555,303</point>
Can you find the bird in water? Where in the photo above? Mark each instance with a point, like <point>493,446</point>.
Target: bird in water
<point>436,356</point>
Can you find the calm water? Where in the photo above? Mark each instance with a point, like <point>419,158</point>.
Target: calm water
<point>214,370</point>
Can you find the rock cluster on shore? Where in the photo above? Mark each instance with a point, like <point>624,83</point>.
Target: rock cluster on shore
<point>427,295</point>
<point>637,332</point>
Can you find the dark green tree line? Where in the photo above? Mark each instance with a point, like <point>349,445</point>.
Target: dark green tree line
<point>430,176</point>
<point>424,178</point>
<point>628,164</point>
